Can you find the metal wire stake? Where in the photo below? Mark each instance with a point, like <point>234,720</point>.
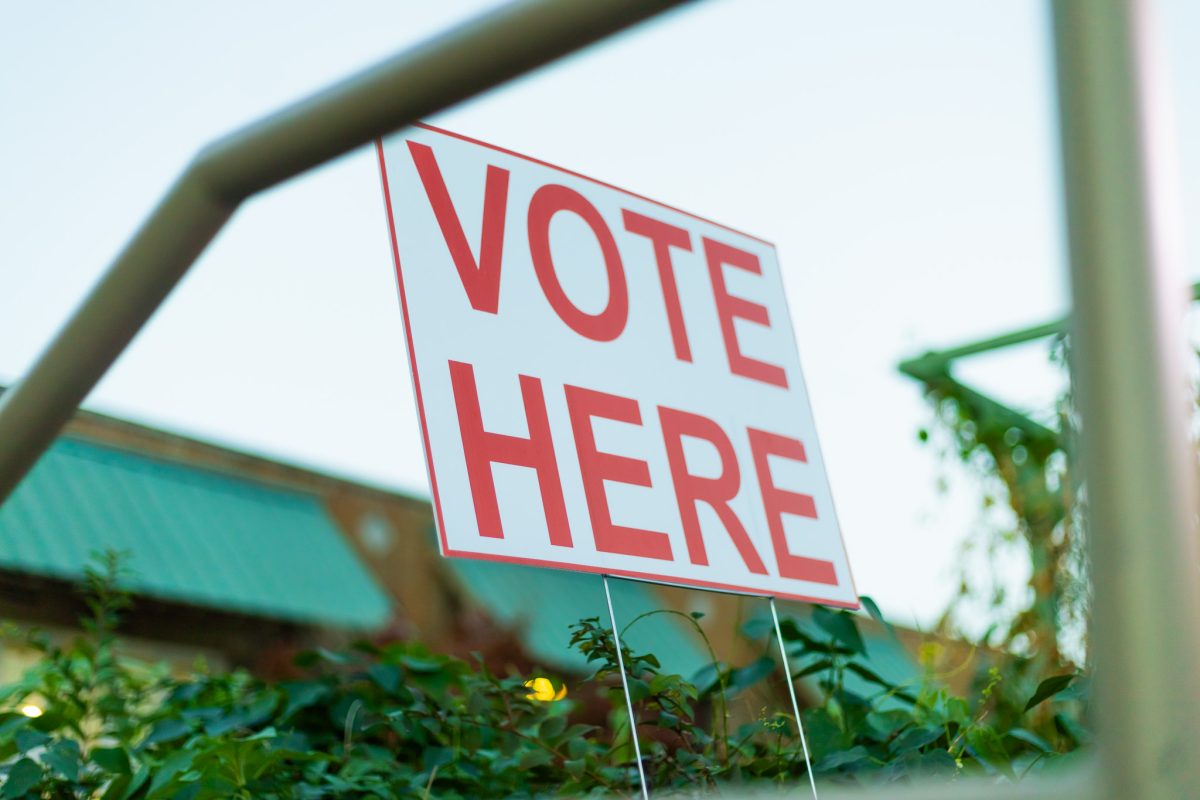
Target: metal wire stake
<point>637,749</point>
<point>787,671</point>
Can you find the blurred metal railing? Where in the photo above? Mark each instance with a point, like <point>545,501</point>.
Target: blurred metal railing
<point>1129,300</point>
<point>464,61</point>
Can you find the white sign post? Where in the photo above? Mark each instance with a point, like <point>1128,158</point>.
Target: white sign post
<point>605,383</point>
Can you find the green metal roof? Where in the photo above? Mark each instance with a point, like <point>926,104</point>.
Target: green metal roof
<point>193,536</point>
<point>542,603</point>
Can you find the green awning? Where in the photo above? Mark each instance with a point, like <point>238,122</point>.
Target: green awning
<point>193,536</point>
<point>540,604</point>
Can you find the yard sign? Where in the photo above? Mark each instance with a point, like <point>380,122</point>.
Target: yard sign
<point>605,383</point>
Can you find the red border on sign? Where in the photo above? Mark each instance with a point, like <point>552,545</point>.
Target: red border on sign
<point>412,361</point>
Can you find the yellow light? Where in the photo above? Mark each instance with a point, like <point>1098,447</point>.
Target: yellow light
<point>543,690</point>
<point>30,710</point>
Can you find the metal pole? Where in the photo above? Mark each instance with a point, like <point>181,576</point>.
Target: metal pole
<point>1129,361</point>
<point>637,748</point>
<point>787,673</point>
<point>445,70</point>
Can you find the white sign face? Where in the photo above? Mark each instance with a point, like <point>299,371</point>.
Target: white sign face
<point>605,384</point>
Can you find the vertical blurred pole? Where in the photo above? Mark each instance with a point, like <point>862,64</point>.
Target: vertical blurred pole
<point>1129,349</point>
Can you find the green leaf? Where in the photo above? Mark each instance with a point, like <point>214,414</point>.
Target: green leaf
<point>422,665</point>
<point>436,757</point>
<point>743,678</point>
<point>579,731</point>
<point>876,614</point>
<point>985,744</point>
<point>22,776</point>
<point>331,656</point>
<point>915,739</point>
<point>842,758</point>
<point>662,683</point>
<point>48,722</point>
<point>139,778</point>
<point>1030,738</point>
<point>225,723</point>
<point>869,675</point>
<point>708,677</point>
<point>958,710</point>
<point>825,736</point>
<point>12,722</point>
<point>577,746</point>
<point>639,690</point>
<point>841,626</point>
<point>552,726</point>
<point>63,757</point>
<point>28,740</point>
<point>387,676</point>
<point>186,693</point>
<point>1069,727</point>
<point>261,709</point>
<point>884,725</point>
<point>1050,687</point>
<point>535,758</point>
<point>1079,690</point>
<point>177,762</point>
<point>167,730</point>
<point>268,732</point>
<point>301,695</point>
<point>817,666</point>
<point>111,759</point>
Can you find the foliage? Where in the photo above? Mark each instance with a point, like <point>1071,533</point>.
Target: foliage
<point>1022,464</point>
<point>882,730</point>
<point>400,721</point>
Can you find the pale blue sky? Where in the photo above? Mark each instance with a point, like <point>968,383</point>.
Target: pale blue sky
<point>901,155</point>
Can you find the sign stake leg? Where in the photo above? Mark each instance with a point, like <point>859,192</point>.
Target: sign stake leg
<point>637,749</point>
<point>787,672</point>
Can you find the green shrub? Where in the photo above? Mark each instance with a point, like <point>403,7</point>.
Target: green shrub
<point>400,721</point>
